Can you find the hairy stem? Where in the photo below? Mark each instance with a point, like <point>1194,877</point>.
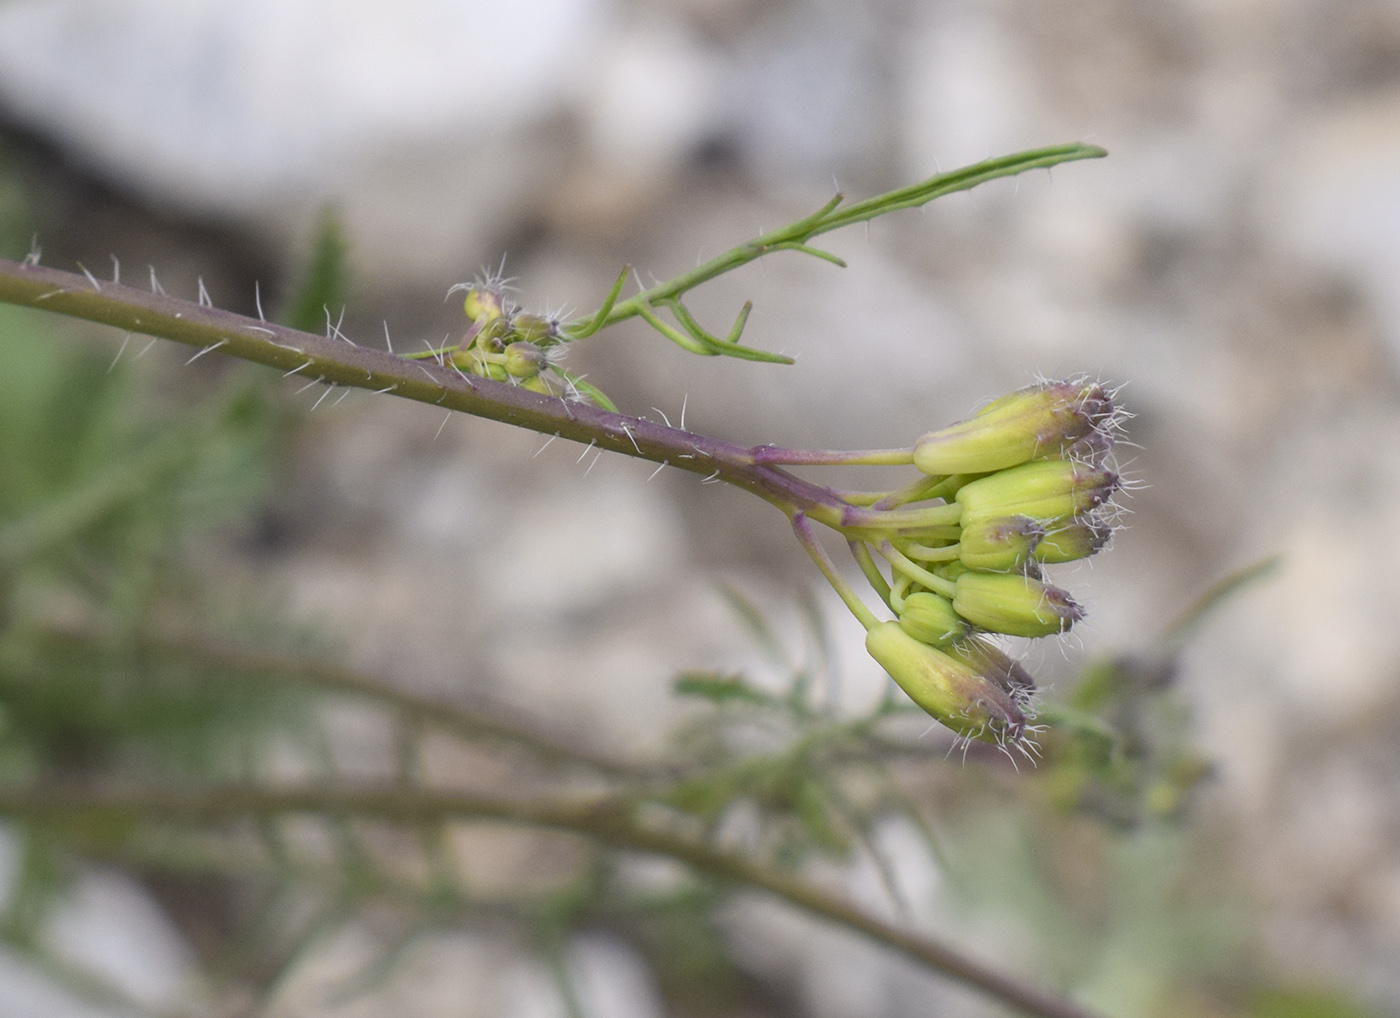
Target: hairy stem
<point>337,362</point>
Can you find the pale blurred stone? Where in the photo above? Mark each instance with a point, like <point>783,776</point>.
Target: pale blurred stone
<point>107,924</point>
<point>1334,198</point>
<point>441,974</point>
<point>968,91</point>
<point>415,119</point>
<point>608,975</point>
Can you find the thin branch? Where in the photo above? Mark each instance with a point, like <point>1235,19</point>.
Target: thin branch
<point>602,819</point>
<point>336,363</point>
<point>455,719</point>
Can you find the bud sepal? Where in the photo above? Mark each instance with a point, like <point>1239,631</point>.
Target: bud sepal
<point>1014,605</point>
<point>1042,420</point>
<point>1044,490</point>
<point>948,688</point>
<point>930,618</point>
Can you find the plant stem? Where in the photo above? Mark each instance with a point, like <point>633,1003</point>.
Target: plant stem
<point>813,547</point>
<point>337,362</point>
<point>914,571</point>
<point>861,551</point>
<point>600,819</point>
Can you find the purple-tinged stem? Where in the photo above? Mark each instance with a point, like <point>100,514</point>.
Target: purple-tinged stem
<point>336,362</point>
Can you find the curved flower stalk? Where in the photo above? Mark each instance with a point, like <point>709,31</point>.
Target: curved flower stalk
<point>1023,483</point>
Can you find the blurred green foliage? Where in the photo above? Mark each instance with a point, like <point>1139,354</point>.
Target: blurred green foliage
<point>102,488</point>
<point>319,297</point>
<point>14,210</point>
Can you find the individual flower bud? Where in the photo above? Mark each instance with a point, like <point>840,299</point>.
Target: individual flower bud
<point>483,304</point>
<point>948,688</point>
<point>1041,420</point>
<point>948,570</point>
<point>490,337</point>
<point>993,662</point>
<point>998,543</point>
<point>1078,539</point>
<point>1044,490</point>
<point>930,618</point>
<point>1014,605</point>
<point>523,360</point>
<point>543,385</point>
<point>534,329</point>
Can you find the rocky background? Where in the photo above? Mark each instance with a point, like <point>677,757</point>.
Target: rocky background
<point>1235,262</point>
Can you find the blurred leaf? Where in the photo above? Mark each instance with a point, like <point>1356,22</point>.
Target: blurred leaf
<point>757,627</point>
<point>324,280</point>
<point>15,223</point>
<point>719,688</point>
<point>1216,596</point>
<point>1307,1004</point>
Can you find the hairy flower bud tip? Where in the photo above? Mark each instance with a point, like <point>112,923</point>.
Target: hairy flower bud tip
<point>930,619</point>
<point>1042,420</point>
<point>950,689</point>
<point>1014,605</point>
<point>993,662</point>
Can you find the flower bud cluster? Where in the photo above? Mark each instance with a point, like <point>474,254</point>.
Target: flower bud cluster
<point>508,344</point>
<point>1026,483</point>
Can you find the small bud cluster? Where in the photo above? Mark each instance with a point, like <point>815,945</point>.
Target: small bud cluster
<point>1026,483</point>
<point>508,344</point>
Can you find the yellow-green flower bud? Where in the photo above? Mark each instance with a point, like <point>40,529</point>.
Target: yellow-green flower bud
<point>948,688</point>
<point>1079,539</point>
<point>533,329</point>
<point>930,619</point>
<point>993,662</point>
<point>523,360</point>
<point>1042,420</point>
<point>998,543</point>
<point>490,335</point>
<point>483,304</point>
<point>1044,490</point>
<point>1014,605</point>
<point>542,384</point>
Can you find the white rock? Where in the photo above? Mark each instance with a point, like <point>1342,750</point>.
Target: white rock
<point>267,109</point>
<point>1333,198</point>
